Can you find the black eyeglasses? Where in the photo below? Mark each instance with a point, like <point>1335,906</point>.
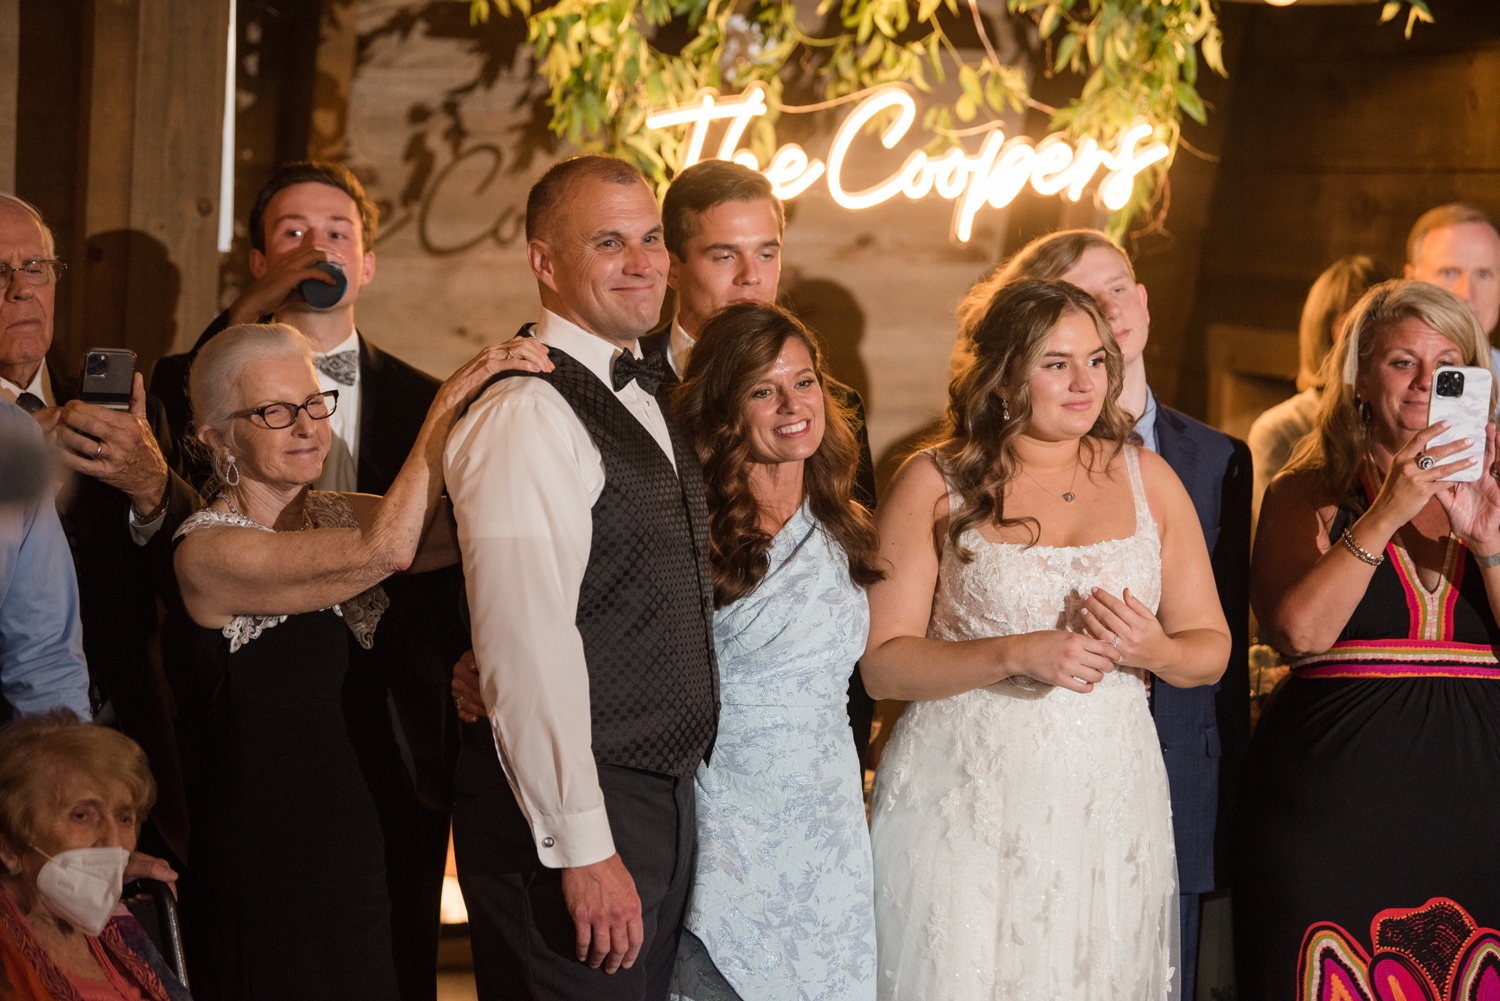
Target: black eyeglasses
<point>38,272</point>
<point>276,416</point>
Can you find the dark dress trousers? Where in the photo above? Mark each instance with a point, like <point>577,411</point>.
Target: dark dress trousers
<point>1205,731</point>
<point>396,700</point>
<point>122,588</point>
<point>861,706</point>
<point>645,618</point>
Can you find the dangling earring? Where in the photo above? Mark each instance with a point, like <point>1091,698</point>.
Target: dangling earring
<point>231,475</point>
<point>1364,411</point>
<point>1004,409</point>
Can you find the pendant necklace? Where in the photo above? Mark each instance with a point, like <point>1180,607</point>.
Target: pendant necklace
<point>1070,495</point>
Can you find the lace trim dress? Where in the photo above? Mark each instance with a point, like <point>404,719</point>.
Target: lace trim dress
<point>1022,833</point>
<point>286,894</point>
<point>327,510</point>
<point>782,904</point>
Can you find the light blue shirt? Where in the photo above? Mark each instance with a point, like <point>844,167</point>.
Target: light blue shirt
<point>41,637</point>
<point>1146,426</point>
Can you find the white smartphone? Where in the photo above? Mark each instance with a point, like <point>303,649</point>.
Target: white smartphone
<point>1461,396</point>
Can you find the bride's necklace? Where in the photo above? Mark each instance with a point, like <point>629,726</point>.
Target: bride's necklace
<point>1069,495</point>
<point>307,521</point>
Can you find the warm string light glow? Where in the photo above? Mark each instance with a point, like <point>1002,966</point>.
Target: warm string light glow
<point>993,176</point>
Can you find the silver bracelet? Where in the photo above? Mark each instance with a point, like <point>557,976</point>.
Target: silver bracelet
<point>1486,561</point>
<point>1363,554</point>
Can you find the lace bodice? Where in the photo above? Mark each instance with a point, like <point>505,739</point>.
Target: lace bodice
<point>327,510</point>
<point>1010,588</point>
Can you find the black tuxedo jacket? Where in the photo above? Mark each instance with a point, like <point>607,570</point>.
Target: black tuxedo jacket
<point>119,584</point>
<point>1205,732</point>
<point>861,706</point>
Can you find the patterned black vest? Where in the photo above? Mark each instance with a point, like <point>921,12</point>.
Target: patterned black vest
<point>645,609</point>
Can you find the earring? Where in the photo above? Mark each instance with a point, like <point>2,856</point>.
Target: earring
<point>14,868</point>
<point>231,475</point>
<point>1364,411</point>
<point>1004,409</point>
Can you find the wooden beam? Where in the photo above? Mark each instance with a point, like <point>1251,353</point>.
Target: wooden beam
<point>179,110</point>
<point>10,58</point>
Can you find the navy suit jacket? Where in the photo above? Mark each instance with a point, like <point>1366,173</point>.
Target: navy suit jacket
<point>1205,731</point>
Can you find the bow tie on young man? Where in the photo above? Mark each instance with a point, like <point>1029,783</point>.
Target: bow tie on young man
<point>341,366</point>
<point>645,371</point>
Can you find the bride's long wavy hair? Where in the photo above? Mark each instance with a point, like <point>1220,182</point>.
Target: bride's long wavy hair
<point>734,351</point>
<point>977,443</point>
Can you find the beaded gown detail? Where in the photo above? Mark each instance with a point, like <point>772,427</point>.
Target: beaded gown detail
<point>781,897</point>
<point>1022,832</point>
<point>286,896</point>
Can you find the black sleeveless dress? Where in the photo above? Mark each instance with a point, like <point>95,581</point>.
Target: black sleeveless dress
<point>1368,843</point>
<point>287,893</point>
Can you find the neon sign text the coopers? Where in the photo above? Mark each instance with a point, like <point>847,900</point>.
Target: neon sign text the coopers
<point>993,176</point>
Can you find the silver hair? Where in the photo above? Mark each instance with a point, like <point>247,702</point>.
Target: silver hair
<point>213,381</point>
<point>48,242</point>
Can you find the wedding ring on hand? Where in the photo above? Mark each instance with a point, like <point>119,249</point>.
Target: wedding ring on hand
<point>98,450</point>
<point>1425,461</point>
<point>458,703</point>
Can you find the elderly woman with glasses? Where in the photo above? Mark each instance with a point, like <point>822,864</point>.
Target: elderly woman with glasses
<point>286,893</point>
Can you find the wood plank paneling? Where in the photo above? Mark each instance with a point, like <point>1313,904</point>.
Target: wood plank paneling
<point>10,58</point>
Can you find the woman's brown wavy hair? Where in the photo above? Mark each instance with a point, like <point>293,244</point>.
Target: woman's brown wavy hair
<point>977,444</point>
<point>735,349</point>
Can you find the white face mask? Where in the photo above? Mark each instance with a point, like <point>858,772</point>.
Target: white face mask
<point>83,885</point>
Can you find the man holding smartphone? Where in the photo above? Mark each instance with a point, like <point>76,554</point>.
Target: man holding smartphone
<point>119,505</point>
<point>307,216</point>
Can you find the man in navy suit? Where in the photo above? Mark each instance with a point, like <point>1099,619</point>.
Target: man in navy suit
<point>1204,732</point>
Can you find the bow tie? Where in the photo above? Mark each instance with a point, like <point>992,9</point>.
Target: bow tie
<point>645,371</point>
<point>342,367</point>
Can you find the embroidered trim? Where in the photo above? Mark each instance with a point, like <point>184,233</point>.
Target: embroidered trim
<point>1400,659</point>
<point>360,613</point>
<point>1435,952</point>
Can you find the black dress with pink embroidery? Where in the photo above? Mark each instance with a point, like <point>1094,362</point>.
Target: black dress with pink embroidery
<point>1368,843</point>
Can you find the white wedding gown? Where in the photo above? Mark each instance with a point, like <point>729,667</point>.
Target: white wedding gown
<point>1022,833</point>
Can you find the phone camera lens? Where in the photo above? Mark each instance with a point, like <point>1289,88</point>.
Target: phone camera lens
<point>1450,384</point>
<point>96,366</point>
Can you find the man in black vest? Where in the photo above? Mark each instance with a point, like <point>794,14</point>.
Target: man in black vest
<point>395,694</point>
<point>584,531</point>
<point>722,225</point>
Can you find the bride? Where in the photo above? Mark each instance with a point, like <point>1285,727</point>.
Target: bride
<point>1043,571</point>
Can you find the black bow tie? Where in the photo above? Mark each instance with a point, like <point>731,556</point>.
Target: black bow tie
<point>645,371</point>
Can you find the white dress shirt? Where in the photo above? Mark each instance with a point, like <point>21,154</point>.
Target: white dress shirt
<point>523,475</point>
<point>680,344</point>
<point>40,387</point>
<point>341,468</point>
<point>1145,425</point>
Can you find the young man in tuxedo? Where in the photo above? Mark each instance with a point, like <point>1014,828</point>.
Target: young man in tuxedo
<point>1204,732</point>
<point>584,530</point>
<point>395,695</point>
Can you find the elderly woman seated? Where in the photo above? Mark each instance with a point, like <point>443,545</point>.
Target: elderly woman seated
<point>72,799</point>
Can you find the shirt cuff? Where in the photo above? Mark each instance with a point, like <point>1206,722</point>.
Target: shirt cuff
<point>142,533</point>
<point>573,840</point>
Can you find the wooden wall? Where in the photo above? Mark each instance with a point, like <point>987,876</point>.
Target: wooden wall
<point>118,143</point>
<point>1339,134</point>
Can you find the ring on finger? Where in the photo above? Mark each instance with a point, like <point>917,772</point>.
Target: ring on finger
<point>98,450</point>
<point>1116,642</point>
<point>459,703</point>
<point>1425,461</point>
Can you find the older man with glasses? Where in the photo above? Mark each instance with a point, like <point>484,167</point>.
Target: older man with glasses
<point>119,504</point>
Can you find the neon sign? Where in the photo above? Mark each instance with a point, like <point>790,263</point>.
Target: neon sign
<point>993,176</point>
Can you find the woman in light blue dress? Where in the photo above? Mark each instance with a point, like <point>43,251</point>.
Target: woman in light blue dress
<point>782,906</point>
